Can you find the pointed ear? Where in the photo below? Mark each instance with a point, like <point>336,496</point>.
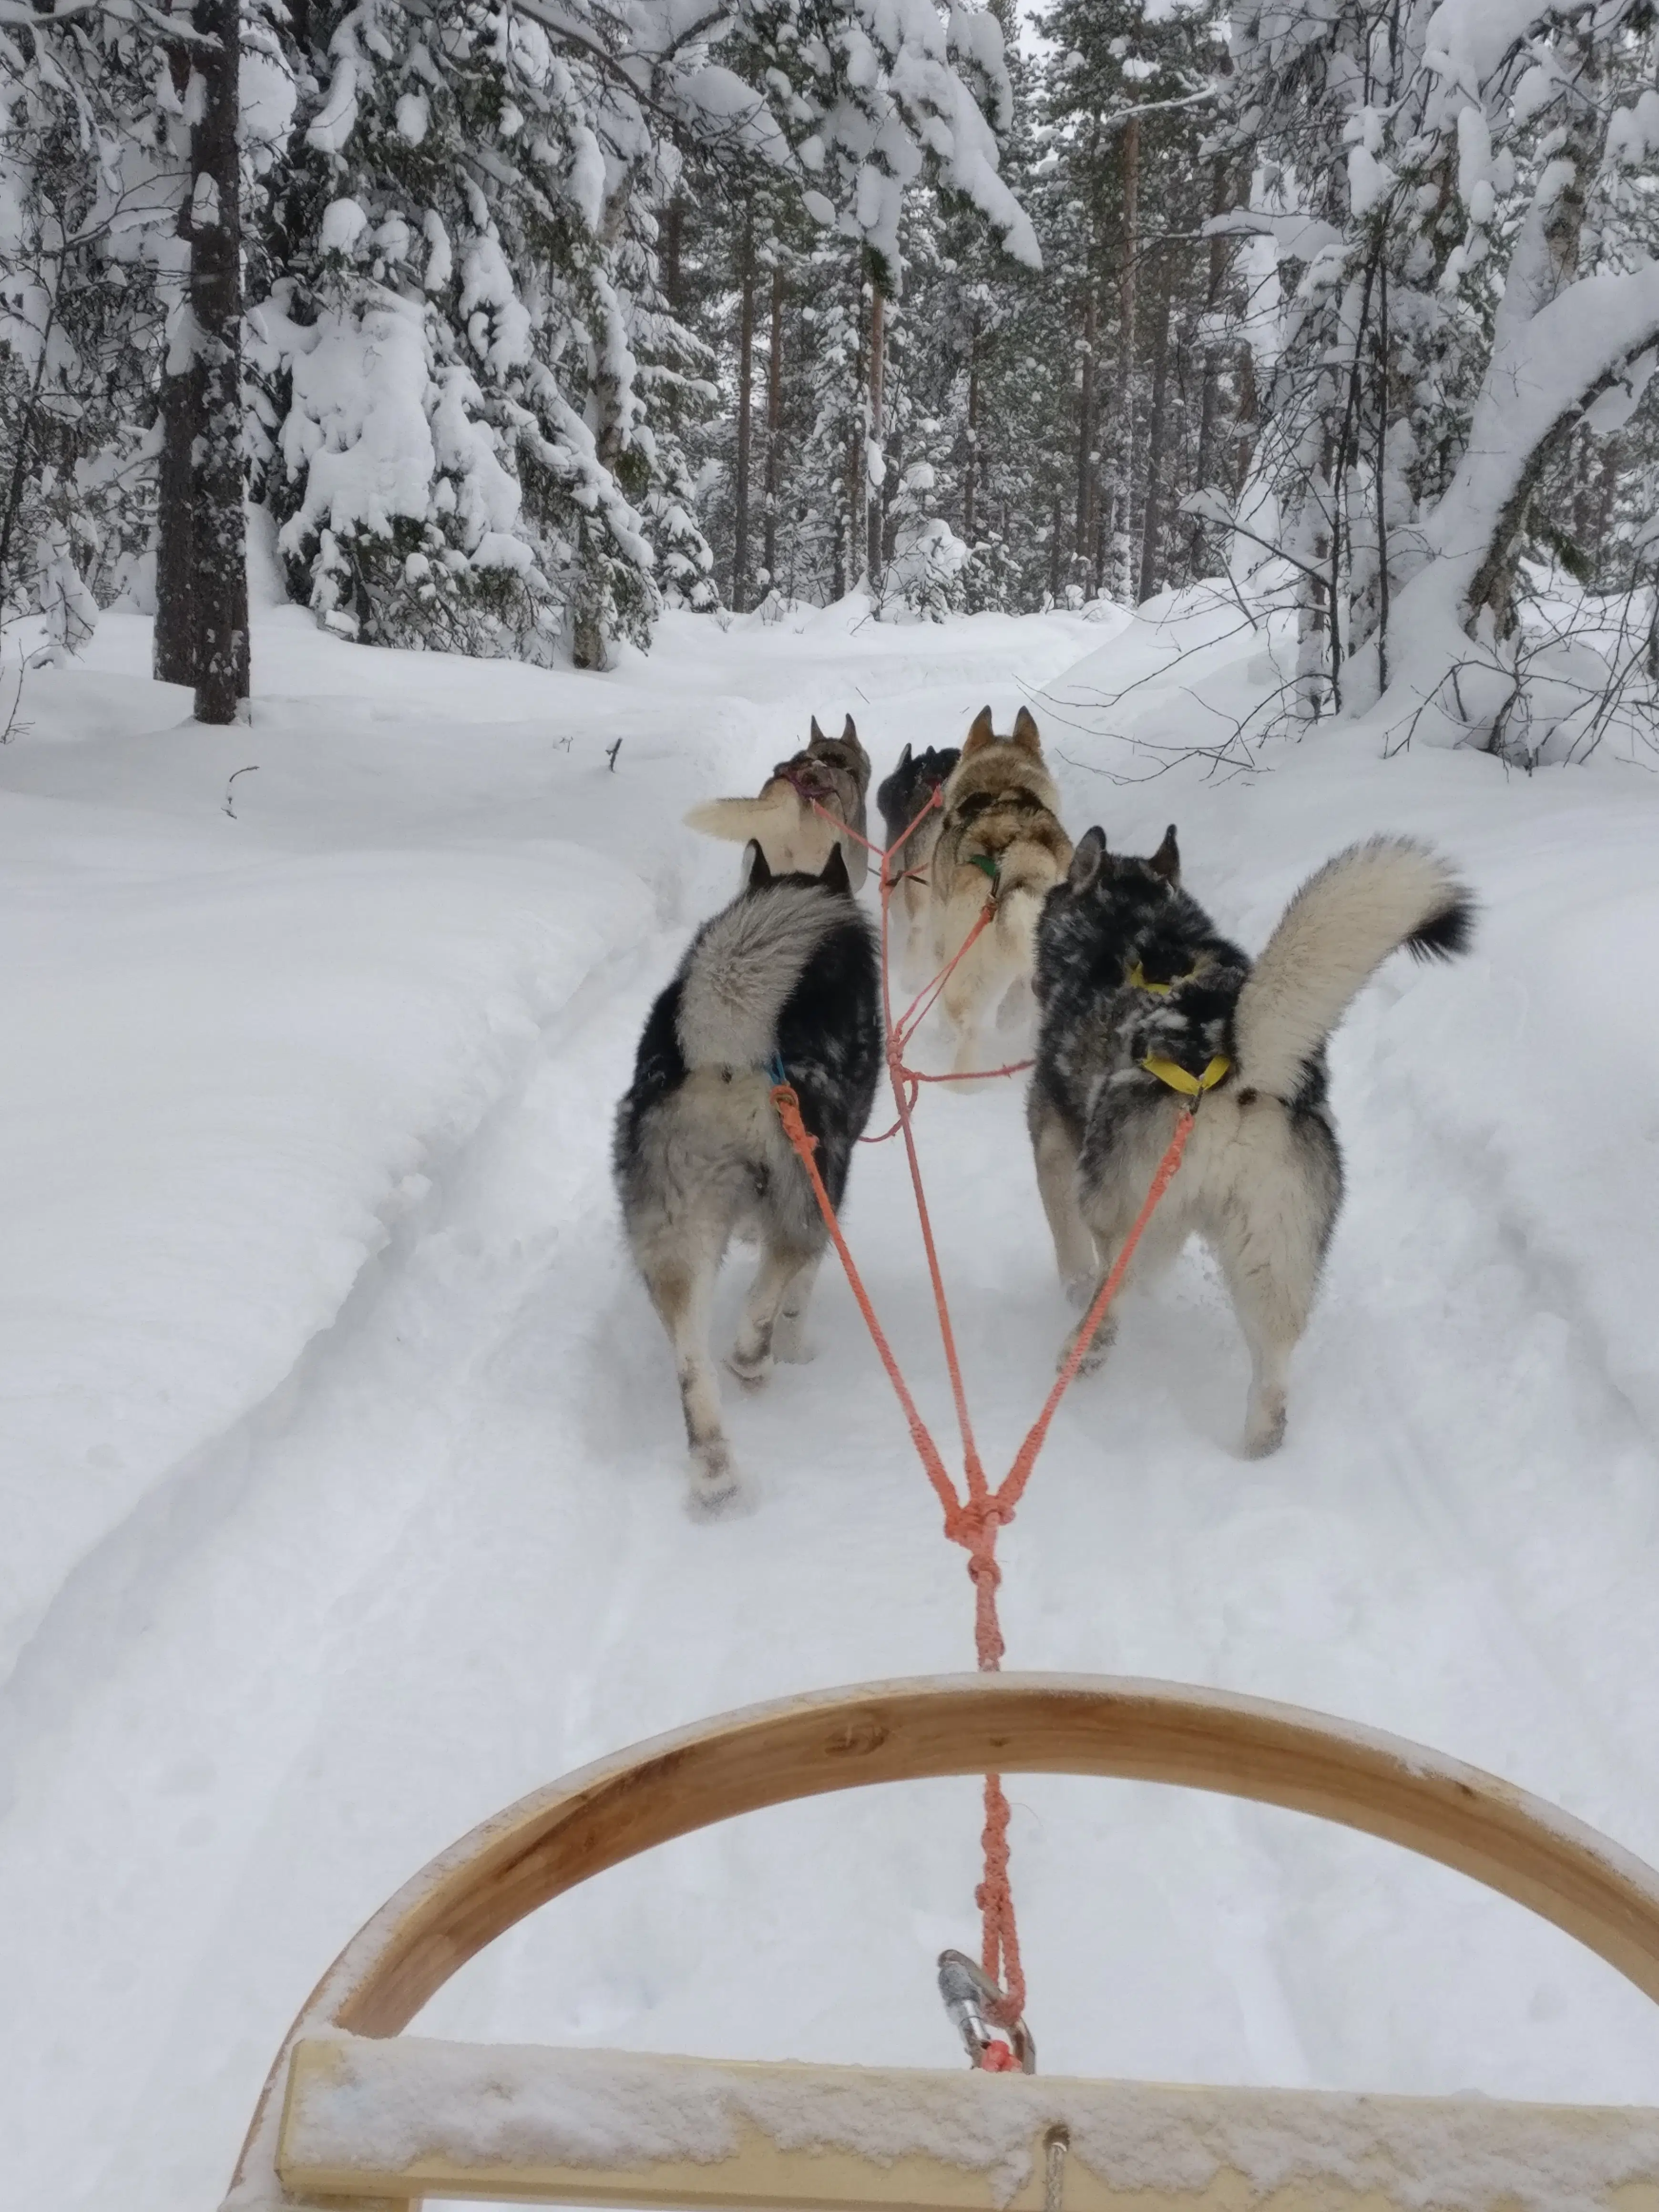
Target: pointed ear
<point>756,873</point>
<point>980,735</point>
<point>849,735</point>
<point>817,737</point>
<point>1086,859</point>
<point>904,759</point>
<point>1166,861</point>
<point>1025,732</point>
<point>834,876</point>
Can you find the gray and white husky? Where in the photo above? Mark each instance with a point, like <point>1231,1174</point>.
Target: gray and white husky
<point>1130,970</point>
<point>783,982</point>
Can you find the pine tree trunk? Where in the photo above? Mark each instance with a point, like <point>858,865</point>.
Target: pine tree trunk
<point>774,426</point>
<point>174,646</point>
<point>1149,579</point>
<point>746,417</point>
<point>219,549</point>
<point>877,502</point>
<point>1124,465</point>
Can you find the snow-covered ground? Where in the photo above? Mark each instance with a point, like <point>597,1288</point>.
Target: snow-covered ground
<point>341,1460</point>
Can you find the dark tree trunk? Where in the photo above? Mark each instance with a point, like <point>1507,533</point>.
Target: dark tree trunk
<point>1125,438</point>
<point>1149,578</point>
<point>746,417</point>
<point>773,425</point>
<point>174,646</point>
<point>877,494</point>
<point>220,547</point>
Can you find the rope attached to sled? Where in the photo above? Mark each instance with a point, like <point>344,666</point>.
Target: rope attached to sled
<point>973,1519</point>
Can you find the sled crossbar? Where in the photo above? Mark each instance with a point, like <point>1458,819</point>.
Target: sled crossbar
<point>405,2118</point>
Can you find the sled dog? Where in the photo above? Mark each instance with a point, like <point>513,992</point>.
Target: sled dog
<point>783,821</point>
<point>1000,832</point>
<point>901,798</point>
<point>784,977</point>
<point>1141,998</point>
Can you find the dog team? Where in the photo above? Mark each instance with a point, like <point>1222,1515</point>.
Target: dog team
<point>1141,1004</point>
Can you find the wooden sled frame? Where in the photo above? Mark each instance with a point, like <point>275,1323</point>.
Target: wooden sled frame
<point>1338,2153</point>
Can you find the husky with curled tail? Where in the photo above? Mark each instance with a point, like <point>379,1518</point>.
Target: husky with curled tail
<point>785,978</point>
<point>1142,1001</point>
<point>785,822</point>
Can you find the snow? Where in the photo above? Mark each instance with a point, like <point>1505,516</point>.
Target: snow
<point>390,2104</point>
<point>342,1471</point>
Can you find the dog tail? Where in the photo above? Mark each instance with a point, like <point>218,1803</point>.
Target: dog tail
<point>738,820</point>
<point>1337,931</point>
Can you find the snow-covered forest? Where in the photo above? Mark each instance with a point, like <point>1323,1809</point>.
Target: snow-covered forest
<point>520,321</point>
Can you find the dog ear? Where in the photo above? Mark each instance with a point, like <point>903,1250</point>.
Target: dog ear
<point>1166,861</point>
<point>756,873</point>
<point>849,735</point>
<point>1086,858</point>
<point>817,737</point>
<point>980,734</point>
<point>903,760</point>
<point>1025,732</point>
<point>834,876</point>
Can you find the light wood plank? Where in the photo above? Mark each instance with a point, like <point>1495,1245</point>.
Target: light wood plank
<point>511,2124</point>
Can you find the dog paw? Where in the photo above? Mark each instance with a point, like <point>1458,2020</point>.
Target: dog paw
<point>1263,1436</point>
<point>1093,1361</point>
<point>790,1346</point>
<point>1080,1291</point>
<point>717,1489</point>
<point>752,1374</point>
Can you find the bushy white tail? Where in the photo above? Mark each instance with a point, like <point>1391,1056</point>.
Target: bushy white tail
<point>738,820</point>
<point>1337,931</point>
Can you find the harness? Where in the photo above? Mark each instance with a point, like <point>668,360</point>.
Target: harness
<point>1170,1072</point>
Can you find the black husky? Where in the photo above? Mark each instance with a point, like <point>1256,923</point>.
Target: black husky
<point>901,798</point>
<point>783,983</point>
<point>1143,1002</point>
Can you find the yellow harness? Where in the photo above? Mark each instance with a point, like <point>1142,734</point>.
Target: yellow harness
<point>1170,1071</point>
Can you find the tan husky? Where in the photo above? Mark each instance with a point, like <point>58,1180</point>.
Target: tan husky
<point>783,821</point>
<point>1000,834</point>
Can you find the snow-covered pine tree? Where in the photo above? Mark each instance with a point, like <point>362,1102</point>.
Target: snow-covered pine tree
<point>89,181</point>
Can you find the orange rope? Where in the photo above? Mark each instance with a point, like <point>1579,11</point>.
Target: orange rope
<point>972,1521</point>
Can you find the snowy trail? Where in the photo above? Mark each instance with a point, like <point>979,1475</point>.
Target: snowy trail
<point>445,1560</point>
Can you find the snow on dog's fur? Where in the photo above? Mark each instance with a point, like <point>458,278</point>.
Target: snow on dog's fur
<point>787,972</point>
<point>1129,969</point>
<point>1000,826</point>
<point>783,821</point>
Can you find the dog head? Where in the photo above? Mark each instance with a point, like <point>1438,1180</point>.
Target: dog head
<point>983,732</point>
<point>1112,907</point>
<point>901,793</point>
<point>843,755</point>
<point>758,876</point>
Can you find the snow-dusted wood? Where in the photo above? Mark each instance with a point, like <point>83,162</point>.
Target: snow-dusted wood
<point>606,2128</point>
<point>963,1724</point>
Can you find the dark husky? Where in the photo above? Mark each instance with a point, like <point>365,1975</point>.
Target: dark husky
<point>783,978</point>
<point>784,821</point>
<point>901,798</point>
<point>1132,976</point>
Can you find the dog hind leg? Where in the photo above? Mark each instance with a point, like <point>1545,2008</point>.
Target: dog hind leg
<point>781,1267</point>
<point>682,1289</point>
<point>1270,1260</point>
<point>788,1332</point>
